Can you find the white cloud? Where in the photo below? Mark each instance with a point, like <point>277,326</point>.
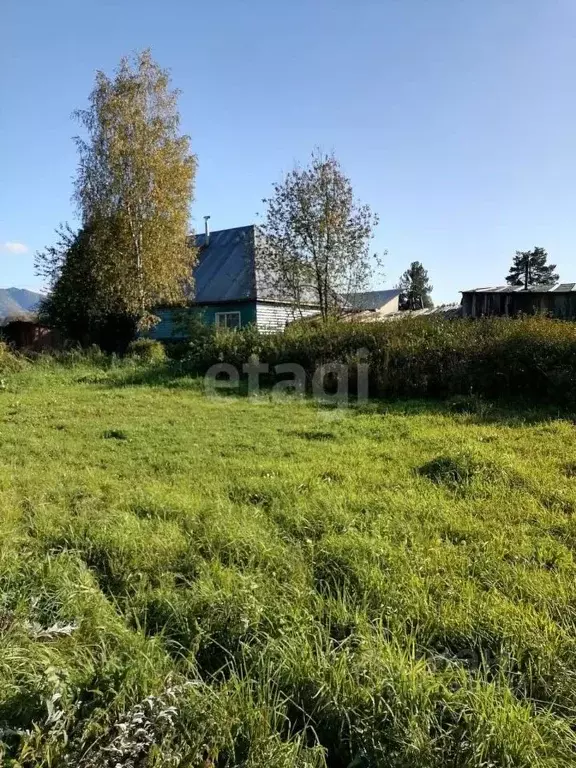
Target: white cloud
<point>14,247</point>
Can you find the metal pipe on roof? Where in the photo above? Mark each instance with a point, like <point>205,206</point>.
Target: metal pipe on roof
<point>206,230</point>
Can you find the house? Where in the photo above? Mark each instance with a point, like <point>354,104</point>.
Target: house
<point>382,302</point>
<point>231,289</point>
<point>555,300</point>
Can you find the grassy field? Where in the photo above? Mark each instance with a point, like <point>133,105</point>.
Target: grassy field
<point>187,581</point>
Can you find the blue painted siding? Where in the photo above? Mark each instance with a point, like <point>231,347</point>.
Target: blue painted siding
<point>168,328</point>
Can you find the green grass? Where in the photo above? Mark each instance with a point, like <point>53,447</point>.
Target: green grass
<point>225,582</point>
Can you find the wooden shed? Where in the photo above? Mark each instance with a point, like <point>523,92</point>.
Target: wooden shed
<point>28,334</point>
<point>509,300</point>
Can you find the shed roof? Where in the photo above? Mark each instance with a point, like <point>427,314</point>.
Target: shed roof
<point>556,288</point>
<point>371,300</point>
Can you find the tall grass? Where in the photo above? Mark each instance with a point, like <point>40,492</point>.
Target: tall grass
<point>8,361</point>
<point>204,582</point>
<point>533,357</point>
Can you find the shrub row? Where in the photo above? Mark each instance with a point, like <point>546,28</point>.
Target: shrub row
<point>532,357</point>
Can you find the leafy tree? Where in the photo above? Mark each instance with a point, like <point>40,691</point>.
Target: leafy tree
<point>316,237</point>
<point>73,303</point>
<point>67,267</point>
<point>531,268</point>
<point>133,189</point>
<point>416,291</point>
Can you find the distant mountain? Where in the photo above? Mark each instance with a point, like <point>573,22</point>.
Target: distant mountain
<point>16,302</point>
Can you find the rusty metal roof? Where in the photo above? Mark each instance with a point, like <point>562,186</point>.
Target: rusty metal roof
<point>556,288</point>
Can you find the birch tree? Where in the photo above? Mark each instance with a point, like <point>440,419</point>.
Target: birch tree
<point>316,237</point>
<point>134,188</point>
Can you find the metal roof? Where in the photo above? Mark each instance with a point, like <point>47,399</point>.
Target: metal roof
<point>225,267</point>
<point>371,299</point>
<point>557,288</point>
<point>448,311</point>
<point>443,310</point>
<point>268,285</point>
<point>228,269</point>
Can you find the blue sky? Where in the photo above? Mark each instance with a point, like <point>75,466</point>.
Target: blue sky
<point>456,120</point>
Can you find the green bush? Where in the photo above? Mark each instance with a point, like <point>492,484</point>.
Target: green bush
<point>532,357</point>
<point>147,350</point>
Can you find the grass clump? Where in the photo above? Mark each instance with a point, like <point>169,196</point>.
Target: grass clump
<point>114,434</point>
<point>470,404</point>
<point>222,590</point>
<point>453,470</point>
<point>147,351</point>
<point>9,363</point>
<point>465,469</point>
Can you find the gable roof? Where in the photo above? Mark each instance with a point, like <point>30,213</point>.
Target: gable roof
<point>371,299</point>
<point>556,288</point>
<point>227,269</point>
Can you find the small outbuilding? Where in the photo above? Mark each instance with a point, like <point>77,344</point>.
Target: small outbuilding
<point>509,300</point>
<point>28,334</point>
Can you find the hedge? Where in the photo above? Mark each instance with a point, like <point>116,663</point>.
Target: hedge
<point>533,357</point>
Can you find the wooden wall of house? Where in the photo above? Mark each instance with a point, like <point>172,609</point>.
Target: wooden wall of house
<point>275,317</point>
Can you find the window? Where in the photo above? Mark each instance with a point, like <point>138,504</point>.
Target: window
<point>228,320</point>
